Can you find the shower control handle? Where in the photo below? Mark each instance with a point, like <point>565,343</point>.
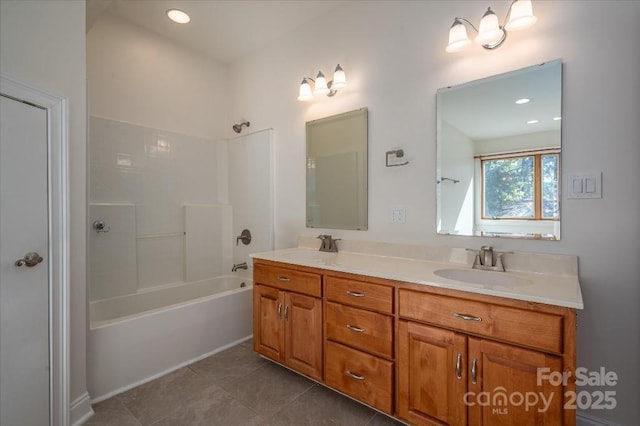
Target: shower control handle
<point>245,237</point>
<point>100,226</point>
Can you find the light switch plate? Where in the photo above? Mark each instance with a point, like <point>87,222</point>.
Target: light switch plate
<point>584,185</point>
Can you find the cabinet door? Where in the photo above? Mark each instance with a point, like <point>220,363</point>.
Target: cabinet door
<point>303,323</point>
<point>432,378</point>
<point>504,389</point>
<point>268,328</point>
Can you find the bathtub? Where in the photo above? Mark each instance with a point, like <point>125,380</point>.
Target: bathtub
<point>135,338</point>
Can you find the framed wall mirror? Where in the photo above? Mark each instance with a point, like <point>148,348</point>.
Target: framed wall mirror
<point>337,171</point>
<point>498,155</point>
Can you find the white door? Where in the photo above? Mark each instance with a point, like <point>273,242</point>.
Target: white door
<point>24,278</point>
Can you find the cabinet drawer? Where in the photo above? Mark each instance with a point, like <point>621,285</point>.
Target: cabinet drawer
<point>361,294</point>
<point>362,376</point>
<point>288,279</point>
<point>528,328</point>
<point>366,330</point>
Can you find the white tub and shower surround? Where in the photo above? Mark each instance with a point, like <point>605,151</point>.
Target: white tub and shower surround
<point>173,205</point>
<point>162,291</point>
<point>149,186</point>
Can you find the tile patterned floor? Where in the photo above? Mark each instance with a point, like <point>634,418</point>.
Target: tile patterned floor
<point>233,387</point>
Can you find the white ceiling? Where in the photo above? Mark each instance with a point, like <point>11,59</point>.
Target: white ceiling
<point>223,29</point>
<point>486,109</point>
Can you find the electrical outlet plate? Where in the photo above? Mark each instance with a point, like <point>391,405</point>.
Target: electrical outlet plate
<point>398,214</point>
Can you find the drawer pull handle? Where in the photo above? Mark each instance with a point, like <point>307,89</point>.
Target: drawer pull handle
<point>467,317</point>
<point>474,372</point>
<point>354,376</point>
<point>354,293</point>
<point>354,328</point>
<point>284,279</point>
<point>459,366</point>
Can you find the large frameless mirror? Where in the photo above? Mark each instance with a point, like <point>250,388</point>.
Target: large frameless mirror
<point>498,154</point>
<point>337,171</point>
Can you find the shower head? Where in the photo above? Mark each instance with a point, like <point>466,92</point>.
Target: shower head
<point>238,127</point>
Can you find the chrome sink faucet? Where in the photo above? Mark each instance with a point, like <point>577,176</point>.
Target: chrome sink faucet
<point>486,256</point>
<point>328,243</point>
<point>489,260</point>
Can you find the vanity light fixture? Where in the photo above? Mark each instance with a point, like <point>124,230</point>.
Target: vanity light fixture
<point>178,16</point>
<point>533,121</point>
<point>523,101</point>
<point>321,86</point>
<point>490,33</point>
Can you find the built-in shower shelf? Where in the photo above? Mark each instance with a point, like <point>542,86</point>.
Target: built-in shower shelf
<point>173,234</point>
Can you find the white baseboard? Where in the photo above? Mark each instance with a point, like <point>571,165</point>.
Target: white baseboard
<point>583,419</point>
<point>81,410</point>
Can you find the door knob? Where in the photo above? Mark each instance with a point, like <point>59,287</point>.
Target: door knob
<point>30,259</point>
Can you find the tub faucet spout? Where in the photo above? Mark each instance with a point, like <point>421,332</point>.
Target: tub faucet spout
<point>237,266</point>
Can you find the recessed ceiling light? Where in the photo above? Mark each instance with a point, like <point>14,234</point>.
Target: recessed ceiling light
<point>523,101</point>
<point>179,16</point>
<point>557,118</point>
<point>533,121</point>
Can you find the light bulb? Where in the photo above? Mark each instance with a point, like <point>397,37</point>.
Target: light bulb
<point>305,91</point>
<point>178,16</point>
<point>339,78</point>
<point>489,31</point>
<point>458,38</point>
<point>521,16</point>
<point>321,84</point>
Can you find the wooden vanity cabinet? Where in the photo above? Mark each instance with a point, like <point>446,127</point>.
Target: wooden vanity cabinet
<point>359,345</point>
<point>427,355</point>
<point>287,318</point>
<point>476,362</point>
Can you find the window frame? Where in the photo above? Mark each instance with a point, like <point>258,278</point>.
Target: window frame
<point>537,181</point>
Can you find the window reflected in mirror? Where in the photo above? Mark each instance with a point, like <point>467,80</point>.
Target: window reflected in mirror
<point>499,153</point>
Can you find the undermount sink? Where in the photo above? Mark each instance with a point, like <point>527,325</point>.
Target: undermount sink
<point>316,256</point>
<point>486,278</point>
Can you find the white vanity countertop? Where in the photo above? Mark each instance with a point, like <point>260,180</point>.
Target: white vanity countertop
<point>561,287</point>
